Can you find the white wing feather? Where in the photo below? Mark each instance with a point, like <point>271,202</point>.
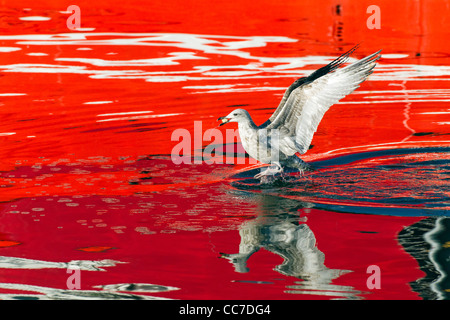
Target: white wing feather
<point>304,109</point>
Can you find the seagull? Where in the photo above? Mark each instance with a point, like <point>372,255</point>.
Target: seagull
<point>289,131</point>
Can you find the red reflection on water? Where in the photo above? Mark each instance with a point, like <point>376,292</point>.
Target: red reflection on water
<point>73,169</point>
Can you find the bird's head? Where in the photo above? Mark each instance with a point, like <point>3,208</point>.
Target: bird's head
<point>234,116</point>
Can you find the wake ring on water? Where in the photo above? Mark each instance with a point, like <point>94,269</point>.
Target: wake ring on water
<point>401,182</point>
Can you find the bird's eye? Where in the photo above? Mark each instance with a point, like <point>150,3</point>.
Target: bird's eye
<point>234,114</point>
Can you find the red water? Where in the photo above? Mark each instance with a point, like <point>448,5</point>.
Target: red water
<point>87,178</point>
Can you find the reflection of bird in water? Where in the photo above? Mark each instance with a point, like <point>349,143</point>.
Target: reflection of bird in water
<point>295,243</point>
<point>278,230</point>
<point>290,129</point>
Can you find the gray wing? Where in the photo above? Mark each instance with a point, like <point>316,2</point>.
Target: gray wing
<point>298,119</point>
<point>305,80</point>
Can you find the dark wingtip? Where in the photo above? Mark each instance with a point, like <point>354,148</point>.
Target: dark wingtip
<point>332,66</point>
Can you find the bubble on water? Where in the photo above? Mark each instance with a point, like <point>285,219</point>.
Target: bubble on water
<point>79,171</point>
<point>192,212</point>
<point>146,205</point>
<point>167,231</point>
<point>118,229</point>
<point>110,200</point>
<point>72,204</point>
<point>144,195</point>
<point>144,230</point>
<point>170,205</point>
<point>139,211</point>
<point>174,213</point>
<point>73,164</point>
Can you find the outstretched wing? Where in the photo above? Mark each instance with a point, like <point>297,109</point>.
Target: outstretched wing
<point>297,120</point>
<point>305,80</point>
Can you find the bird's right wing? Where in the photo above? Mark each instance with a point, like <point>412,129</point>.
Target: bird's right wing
<point>298,119</point>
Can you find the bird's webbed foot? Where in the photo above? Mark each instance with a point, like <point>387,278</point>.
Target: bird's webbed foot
<point>271,171</point>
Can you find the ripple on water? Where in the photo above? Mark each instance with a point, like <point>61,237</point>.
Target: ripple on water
<point>406,182</point>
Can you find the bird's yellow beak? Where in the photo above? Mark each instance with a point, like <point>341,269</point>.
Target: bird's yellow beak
<point>224,120</point>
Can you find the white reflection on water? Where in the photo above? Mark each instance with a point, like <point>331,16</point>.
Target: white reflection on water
<point>122,113</point>
<point>107,292</point>
<point>34,18</point>
<point>140,117</point>
<point>9,49</point>
<point>37,54</point>
<point>201,48</point>
<point>167,61</point>
<point>98,102</point>
<point>12,94</point>
<point>86,265</point>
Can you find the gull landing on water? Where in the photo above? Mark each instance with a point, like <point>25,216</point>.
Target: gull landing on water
<point>290,129</point>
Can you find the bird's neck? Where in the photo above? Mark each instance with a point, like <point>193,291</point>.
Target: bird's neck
<point>247,124</point>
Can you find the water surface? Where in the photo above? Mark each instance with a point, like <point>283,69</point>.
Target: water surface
<point>87,180</point>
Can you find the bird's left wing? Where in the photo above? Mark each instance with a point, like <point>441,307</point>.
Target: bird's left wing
<point>304,109</point>
<point>336,63</point>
